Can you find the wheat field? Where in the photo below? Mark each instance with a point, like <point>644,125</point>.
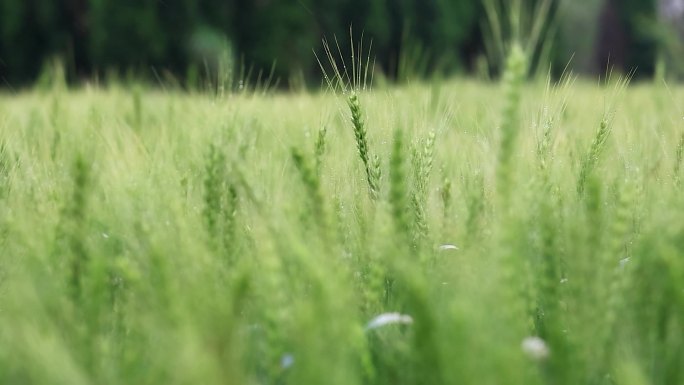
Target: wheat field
<point>444,232</point>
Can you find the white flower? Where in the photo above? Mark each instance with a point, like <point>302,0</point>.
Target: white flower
<point>388,319</point>
<point>286,361</point>
<point>535,348</point>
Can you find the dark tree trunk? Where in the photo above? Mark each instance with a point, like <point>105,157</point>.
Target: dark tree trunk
<point>613,40</point>
<point>77,26</point>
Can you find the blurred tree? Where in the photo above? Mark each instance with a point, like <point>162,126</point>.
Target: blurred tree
<point>76,24</point>
<point>268,32</point>
<point>624,41</point>
<point>127,34</point>
<point>409,37</point>
<point>434,29</point>
<point>178,19</point>
<point>577,28</point>
<point>369,20</point>
<point>30,32</point>
<point>641,55</point>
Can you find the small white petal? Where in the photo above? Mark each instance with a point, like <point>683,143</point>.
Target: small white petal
<point>448,247</point>
<point>623,262</point>
<point>535,348</point>
<point>388,319</point>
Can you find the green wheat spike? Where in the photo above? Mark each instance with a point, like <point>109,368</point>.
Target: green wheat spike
<point>371,165</point>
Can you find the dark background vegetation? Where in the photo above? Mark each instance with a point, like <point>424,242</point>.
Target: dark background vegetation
<point>184,39</point>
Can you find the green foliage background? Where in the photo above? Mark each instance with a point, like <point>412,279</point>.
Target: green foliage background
<point>97,35</point>
<point>182,38</point>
